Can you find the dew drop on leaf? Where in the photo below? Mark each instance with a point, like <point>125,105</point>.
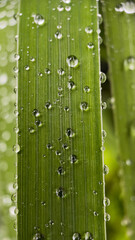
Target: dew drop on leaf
<point>39,20</point>
<point>88,236</point>
<point>102,77</point>
<point>16,148</point>
<point>38,236</point>
<point>90,45</point>
<point>107,217</point>
<point>106,169</point>
<point>76,236</point>
<point>88,30</point>
<point>73,158</point>
<point>48,105</point>
<point>58,35</point>
<point>129,63</point>
<point>36,113</point>
<point>70,133</point>
<point>60,192</point>
<point>61,71</point>
<point>84,106</point>
<point>106,202</point>
<point>72,61</point>
<point>71,85</point>
<point>86,89</point>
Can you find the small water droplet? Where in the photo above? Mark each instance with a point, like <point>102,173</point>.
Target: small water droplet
<point>17,57</point>
<point>47,71</point>
<point>95,192</point>
<point>49,146</point>
<point>104,134</point>
<point>70,133</point>
<point>16,130</point>
<point>72,61</point>
<point>15,69</point>
<point>95,214</point>
<point>39,20</point>
<point>84,106</point>
<point>73,158</point>
<point>14,198</point>
<point>71,85</point>
<point>88,236</point>
<point>100,19</point>
<point>38,123</point>
<point>43,203</point>
<point>106,169</point>
<point>61,71</point>
<point>86,89</point>
<point>68,8</point>
<point>27,68</point>
<point>60,170</point>
<point>58,153</point>
<point>38,236</point>
<point>16,148</point>
<point>58,35</point>
<point>76,236</point>
<point>102,77</point>
<point>48,105</point>
<point>60,192</point>
<point>90,45</point>
<point>107,217</point>
<point>60,8</point>
<point>106,202</point>
<point>65,146</point>
<point>129,63</point>
<point>119,8</point>
<point>66,109</point>
<point>88,30</point>
<point>36,113</point>
<point>104,105</point>
<point>31,130</point>
<point>32,59</point>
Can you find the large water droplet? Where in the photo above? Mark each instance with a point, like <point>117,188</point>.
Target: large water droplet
<point>127,7</point>
<point>76,236</point>
<point>39,19</point>
<point>60,192</point>
<point>38,236</point>
<point>16,148</point>
<point>58,35</point>
<point>84,106</point>
<point>129,63</point>
<point>106,202</point>
<point>88,236</point>
<point>36,113</point>
<point>72,61</point>
<point>71,85</point>
<point>102,77</point>
<point>73,158</point>
<point>70,133</point>
<point>107,217</point>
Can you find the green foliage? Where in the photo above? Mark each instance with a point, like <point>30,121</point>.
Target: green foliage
<point>59,149</point>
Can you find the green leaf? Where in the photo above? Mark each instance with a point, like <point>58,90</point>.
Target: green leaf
<point>120,42</point>
<point>59,148</point>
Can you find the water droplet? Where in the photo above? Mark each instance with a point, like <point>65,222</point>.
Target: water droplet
<point>58,35</point>
<point>60,192</point>
<point>84,106</point>
<point>72,61</point>
<point>128,162</point>
<point>100,19</point>
<point>129,63</point>
<point>16,130</point>
<point>127,7</point>
<point>88,236</point>
<point>107,217</point>
<point>86,89</point>
<point>27,68</point>
<point>68,8</point>
<point>104,105</point>
<point>31,130</point>
<point>65,146</point>
<point>102,77</point>
<point>104,134</point>
<point>61,71</point>
<point>58,153</point>
<point>88,30</point>
<point>49,146</point>
<point>38,123</point>
<point>95,192</point>
<point>106,202</point>
<point>66,109</point>
<point>95,214</point>
<point>51,223</point>
<point>67,1</point>
<point>106,169</point>
<point>60,171</point>
<point>32,59</point>
<point>71,85</point>
<point>70,133</point>
<point>15,69</point>
<point>60,8</point>
<point>36,113</point>
<point>90,45</point>
<point>47,71</point>
<point>14,198</point>
<point>17,57</point>
<point>43,203</point>
<point>48,105</point>
<point>39,19</point>
<point>38,236</point>
<point>76,236</point>
<point>73,158</point>
<point>100,40</point>
<point>16,148</point>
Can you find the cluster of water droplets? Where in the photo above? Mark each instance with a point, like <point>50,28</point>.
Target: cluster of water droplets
<point>127,7</point>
